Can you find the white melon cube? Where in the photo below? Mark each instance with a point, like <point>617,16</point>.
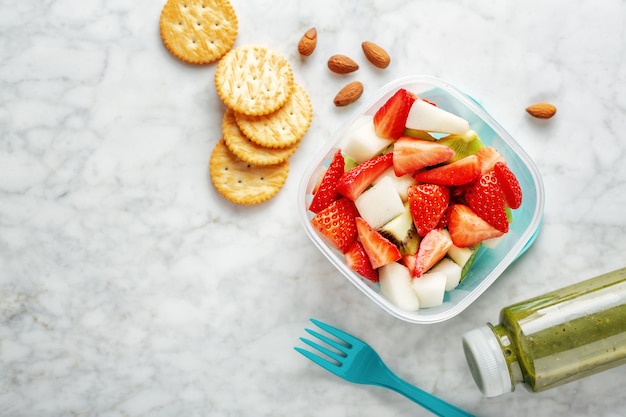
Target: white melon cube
<point>493,242</point>
<point>395,285</point>
<point>361,142</point>
<point>425,116</point>
<point>430,288</point>
<point>401,184</point>
<point>451,270</point>
<point>459,255</point>
<point>379,203</point>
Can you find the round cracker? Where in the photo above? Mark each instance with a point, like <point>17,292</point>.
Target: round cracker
<point>244,183</point>
<point>248,151</point>
<point>198,31</point>
<point>283,127</point>
<point>254,80</point>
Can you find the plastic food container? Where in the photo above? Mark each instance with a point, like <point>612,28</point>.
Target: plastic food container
<point>489,263</point>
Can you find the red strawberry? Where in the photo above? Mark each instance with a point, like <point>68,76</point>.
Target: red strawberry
<point>353,182</point>
<point>486,199</point>
<point>460,172</point>
<point>380,251</point>
<point>326,190</point>
<point>336,223</point>
<point>410,155</point>
<point>357,260</point>
<point>432,249</point>
<point>390,119</point>
<point>427,203</point>
<point>509,185</point>
<point>445,217</point>
<point>488,156</point>
<point>467,228</point>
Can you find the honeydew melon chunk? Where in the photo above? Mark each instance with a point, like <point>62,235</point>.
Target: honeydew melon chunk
<point>401,183</point>
<point>425,116</point>
<point>493,242</point>
<point>459,255</point>
<point>379,203</point>
<point>451,270</point>
<point>430,288</point>
<point>395,285</point>
<point>361,142</point>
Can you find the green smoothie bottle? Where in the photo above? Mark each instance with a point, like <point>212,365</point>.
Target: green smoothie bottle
<point>552,339</point>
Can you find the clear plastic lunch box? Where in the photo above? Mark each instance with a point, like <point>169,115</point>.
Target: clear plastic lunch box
<point>489,263</point>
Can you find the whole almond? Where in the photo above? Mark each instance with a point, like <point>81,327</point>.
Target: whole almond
<point>308,42</point>
<point>541,110</point>
<point>349,94</point>
<point>342,64</point>
<point>376,55</point>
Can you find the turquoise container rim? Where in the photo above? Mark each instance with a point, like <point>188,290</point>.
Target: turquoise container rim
<point>490,264</point>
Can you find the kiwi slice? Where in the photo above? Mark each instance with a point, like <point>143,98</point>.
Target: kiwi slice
<point>401,232</point>
<point>470,261</point>
<point>419,134</point>
<point>463,145</point>
<point>349,163</point>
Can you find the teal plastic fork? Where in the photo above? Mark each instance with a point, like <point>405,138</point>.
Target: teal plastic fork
<point>354,360</point>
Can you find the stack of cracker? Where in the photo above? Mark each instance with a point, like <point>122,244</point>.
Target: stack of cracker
<point>267,115</point>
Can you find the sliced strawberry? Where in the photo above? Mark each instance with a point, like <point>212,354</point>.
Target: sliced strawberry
<point>445,217</point>
<point>467,228</point>
<point>509,185</point>
<point>326,190</point>
<point>357,260</point>
<point>380,251</point>
<point>433,248</point>
<point>460,172</point>
<point>336,223</point>
<point>488,156</point>
<point>390,119</point>
<point>427,203</point>
<point>410,155</point>
<point>353,182</point>
<point>486,199</point>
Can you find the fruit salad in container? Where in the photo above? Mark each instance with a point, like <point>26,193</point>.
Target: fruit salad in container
<point>422,200</point>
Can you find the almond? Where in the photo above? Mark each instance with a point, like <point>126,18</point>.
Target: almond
<point>342,64</point>
<point>348,94</point>
<point>541,110</point>
<point>308,42</point>
<point>376,55</point>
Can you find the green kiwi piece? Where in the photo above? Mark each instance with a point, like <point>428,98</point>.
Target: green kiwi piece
<point>463,145</point>
<point>401,232</point>
<point>349,163</point>
<point>470,261</point>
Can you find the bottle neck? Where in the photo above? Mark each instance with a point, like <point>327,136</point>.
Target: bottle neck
<point>509,352</point>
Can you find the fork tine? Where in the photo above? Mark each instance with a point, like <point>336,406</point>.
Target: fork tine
<point>334,343</point>
<point>338,357</point>
<point>340,334</point>
<point>324,363</point>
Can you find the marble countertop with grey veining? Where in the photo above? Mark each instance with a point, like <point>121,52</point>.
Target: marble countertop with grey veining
<point>130,287</point>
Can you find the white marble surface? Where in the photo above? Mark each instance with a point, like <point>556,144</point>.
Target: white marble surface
<point>129,287</point>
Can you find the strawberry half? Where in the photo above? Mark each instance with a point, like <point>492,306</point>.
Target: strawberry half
<point>380,251</point>
<point>467,228</point>
<point>427,203</point>
<point>353,182</point>
<point>486,199</point>
<point>326,190</point>
<point>460,172</point>
<point>336,223</point>
<point>432,249</point>
<point>357,260</point>
<point>390,119</point>
<point>509,185</point>
<point>410,155</point>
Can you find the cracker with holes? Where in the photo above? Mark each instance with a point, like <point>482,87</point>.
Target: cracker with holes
<point>246,150</point>
<point>242,182</point>
<point>283,127</point>
<point>198,31</point>
<point>254,80</point>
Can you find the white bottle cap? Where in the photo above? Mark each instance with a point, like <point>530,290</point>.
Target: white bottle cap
<point>486,362</point>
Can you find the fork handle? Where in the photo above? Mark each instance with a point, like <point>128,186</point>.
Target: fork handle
<point>421,397</point>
